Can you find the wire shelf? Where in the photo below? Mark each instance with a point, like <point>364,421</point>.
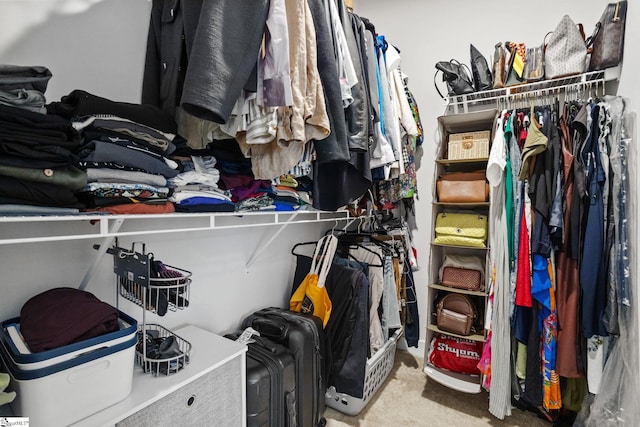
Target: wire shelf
<point>593,82</point>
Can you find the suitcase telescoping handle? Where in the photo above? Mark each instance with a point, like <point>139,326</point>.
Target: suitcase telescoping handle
<point>269,328</point>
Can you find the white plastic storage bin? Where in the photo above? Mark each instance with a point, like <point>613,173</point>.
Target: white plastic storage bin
<point>19,354</point>
<point>68,391</point>
<point>378,368</point>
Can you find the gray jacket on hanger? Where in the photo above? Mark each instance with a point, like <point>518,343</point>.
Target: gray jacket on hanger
<point>201,54</point>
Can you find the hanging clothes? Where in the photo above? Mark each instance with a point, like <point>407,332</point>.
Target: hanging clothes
<point>334,146</point>
<point>511,204</point>
<point>568,284</point>
<point>373,257</point>
<point>200,55</point>
<point>592,268</point>
<point>616,401</point>
<point>390,309</point>
<point>349,335</point>
<point>500,395</point>
<point>339,176</point>
<point>274,80</point>
<point>357,111</point>
<point>412,322</point>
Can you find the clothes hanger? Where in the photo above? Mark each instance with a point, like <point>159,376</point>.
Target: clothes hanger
<point>313,242</point>
<point>357,245</point>
<point>387,248</point>
<point>349,255</point>
<point>297,245</point>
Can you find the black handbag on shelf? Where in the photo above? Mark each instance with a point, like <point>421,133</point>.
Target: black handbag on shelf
<point>457,77</point>
<point>482,78</point>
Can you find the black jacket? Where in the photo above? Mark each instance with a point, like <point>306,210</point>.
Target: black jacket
<point>200,54</point>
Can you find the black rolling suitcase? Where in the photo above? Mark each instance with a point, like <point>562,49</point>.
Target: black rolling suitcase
<point>304,336</point>
<point>271,383</point>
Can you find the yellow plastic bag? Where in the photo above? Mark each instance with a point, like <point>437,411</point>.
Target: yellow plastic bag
<point>311,296</point>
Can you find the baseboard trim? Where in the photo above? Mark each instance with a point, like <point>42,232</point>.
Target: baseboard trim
<point>415,351</point>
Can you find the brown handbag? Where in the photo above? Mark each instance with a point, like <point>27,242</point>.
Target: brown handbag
<point>456,314</point>
<point>499,72</point>
<point>462,278</point>
<point>463,187</point>
<point>608,37</point>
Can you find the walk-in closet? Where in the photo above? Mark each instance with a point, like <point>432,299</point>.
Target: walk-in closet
<point>319,213</point>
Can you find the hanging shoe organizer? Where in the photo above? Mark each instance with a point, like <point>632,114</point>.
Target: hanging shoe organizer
<point>159,289</point>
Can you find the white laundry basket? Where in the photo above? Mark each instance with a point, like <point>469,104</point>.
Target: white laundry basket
<point>378,368</point>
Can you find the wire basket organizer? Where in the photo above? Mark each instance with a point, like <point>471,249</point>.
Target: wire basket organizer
<point>378,368</point>
<point>162,293</point>
<point>159,351</point>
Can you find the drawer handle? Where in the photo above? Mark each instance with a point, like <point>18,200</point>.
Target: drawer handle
<point>191,400</point>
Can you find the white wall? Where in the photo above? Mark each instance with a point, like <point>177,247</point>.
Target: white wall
<point>99,46</point>
<point>95,45</point>
<point>430,31</point>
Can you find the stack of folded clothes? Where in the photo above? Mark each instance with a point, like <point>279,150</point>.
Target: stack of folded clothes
<point>125,153</point>
<point>24,87</point>
<point>37,151</point>
<point>247,192</point>
<point>37,157</point>
<point>290,193</point>
<point>196,189</point>
<point>236,177</point>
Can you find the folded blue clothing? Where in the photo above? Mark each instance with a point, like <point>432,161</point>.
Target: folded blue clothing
<point>284,206</point>
<point>200,200</point>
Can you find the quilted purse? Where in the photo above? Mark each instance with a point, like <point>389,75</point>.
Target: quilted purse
<point>462,271</point>
<point>456,314</point>
<point>461,229</point>
<point>462,278</point>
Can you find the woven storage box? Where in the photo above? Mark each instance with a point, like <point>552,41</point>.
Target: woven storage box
<point>468,145</point>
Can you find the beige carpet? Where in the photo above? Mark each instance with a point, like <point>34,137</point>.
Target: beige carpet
<point>408,398</point>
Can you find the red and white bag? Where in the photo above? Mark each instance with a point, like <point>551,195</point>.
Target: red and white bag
<point>455,354</point>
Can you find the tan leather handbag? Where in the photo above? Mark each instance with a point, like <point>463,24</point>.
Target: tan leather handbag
<point>463,187</point>
<point>456,314</point>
